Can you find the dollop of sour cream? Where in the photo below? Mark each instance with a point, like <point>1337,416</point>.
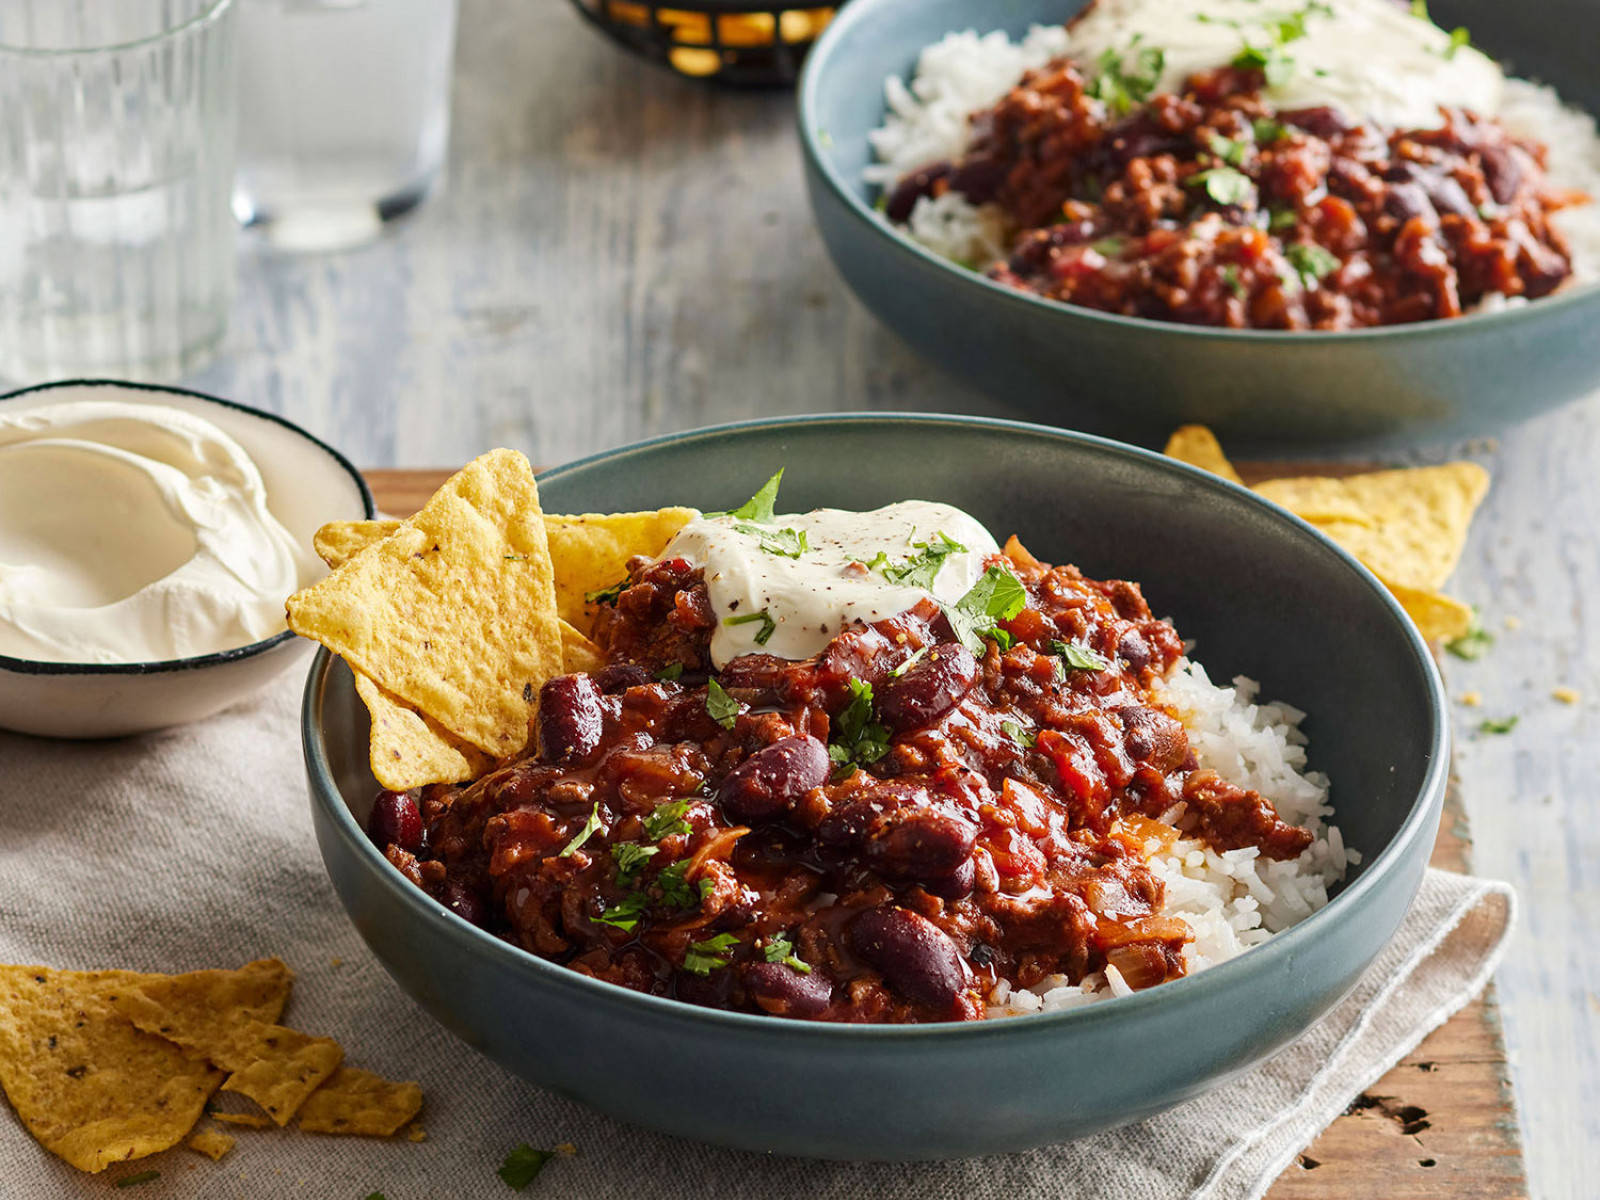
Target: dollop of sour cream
<point>808,598</point>
<point>1369,58</point>
<point>134,533</point>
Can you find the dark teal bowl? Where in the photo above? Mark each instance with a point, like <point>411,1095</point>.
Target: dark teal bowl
<point>1137,378</point>
<point>1263,593</point>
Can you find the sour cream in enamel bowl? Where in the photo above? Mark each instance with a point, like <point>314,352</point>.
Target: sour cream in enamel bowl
<point>148,537</point>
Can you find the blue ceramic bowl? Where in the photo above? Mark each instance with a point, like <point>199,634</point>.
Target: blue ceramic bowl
<point>1263,593</point>
<point>1137,378</point>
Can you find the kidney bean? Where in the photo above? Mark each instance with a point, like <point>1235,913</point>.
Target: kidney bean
<point>920,844</point>
<point>619,677</point>
<point>765,784</point>
<point>571,718</point>
<point>1408,200</point>
<point>915,957</point>
<point>708,991</point>
<point>1134,650</point>
<point>1502,171</point>
<point>912,188</point>
<point>395,821</point>
<point>785,992</point>
<point>1151,736</point>
<point>932,686</point>
<point>464,902</point>
<point>955,885</point>
<point>1323,122</point>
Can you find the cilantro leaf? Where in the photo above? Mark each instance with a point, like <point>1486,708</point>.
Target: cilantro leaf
<point>1232,151</point>
<point>1310,261</point>
<point>630,858</point>
<point>759,508</point>
<point>1017,733</point>
<point>1108,246</point>
<point>1459,37</point>
<point>1231,280</point>
<point>858,739</point>
<point>1474,643</point>
<point>584,834</point>
<point>1502,725</point>
<point>1283,218</point>
<point>669,672</point>
<point>1267,130</point>
<point>1419,9</point>
<point>1224,185</point>
<point>786,542</point>
<point>768,625</point>
<point>723,708</point>
<point>705,957</point>
<point>607,595</point>
<point>522,1166</point>
<point>997,596</point>
<point>624,914</point>
<point>920,570</point>
<point>667,819</point>
<point>1124,80</point>
<point>136,1179</point>
<point>675,889</point>
<point>781,950</point>
<point>1079,658</point>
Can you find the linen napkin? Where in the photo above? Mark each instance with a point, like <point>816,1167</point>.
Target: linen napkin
<point>193,848</point>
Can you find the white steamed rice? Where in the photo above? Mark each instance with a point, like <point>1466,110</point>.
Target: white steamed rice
<point>964,72</point>
<point>1235,899</point>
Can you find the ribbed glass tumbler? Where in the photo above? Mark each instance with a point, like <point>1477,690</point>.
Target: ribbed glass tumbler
<point>117,126</point>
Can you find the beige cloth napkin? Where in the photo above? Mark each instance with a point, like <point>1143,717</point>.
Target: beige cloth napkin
<point>193,848</point>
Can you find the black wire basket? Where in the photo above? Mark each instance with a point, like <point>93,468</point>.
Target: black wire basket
<point>732,42</point>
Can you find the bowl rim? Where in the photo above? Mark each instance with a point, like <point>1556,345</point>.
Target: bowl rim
<point>812,133</point>
<point>33,666</point>
<point>1278,950</point>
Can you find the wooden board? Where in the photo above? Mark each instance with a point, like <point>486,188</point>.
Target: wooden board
<point>1441,1124</point>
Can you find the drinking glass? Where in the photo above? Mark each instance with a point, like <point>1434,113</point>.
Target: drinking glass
<point>116,163</point>
<point>344,114</point>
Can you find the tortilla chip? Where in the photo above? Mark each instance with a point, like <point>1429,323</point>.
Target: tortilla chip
<point>212,1143</point>
<point>275,1066</point>
<point>1198,446</point>
<point>1417,518</point>
<point>1437,617</point>
<point>88,1085</point>
<point>409,749</point>
<point>453,613</point>
<point>578,653</point>
<point>248,1120</point>
<point>337,542</point>
<point>590,553</point>
<point>358,1102</point>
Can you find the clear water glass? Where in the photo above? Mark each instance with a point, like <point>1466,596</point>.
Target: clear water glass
<point>344,115</point>
<point>116,166</point>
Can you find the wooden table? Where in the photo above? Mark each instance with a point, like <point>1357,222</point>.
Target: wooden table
<point>618,254</point>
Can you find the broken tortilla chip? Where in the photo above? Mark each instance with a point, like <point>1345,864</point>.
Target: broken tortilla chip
<point>212,1143</point>
<point>247,1119</point>
<point>275,1066</point>
<point>1198,446</point>
<point>453,613</point>
<point>409,749</point>
<point>1437,617</point>
<point>89,1086</point>
<point>590,553</point>
<point>358,1102</point>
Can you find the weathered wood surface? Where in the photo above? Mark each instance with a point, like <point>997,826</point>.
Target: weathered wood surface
<point>619,253</point>
<point>1442,1123</point>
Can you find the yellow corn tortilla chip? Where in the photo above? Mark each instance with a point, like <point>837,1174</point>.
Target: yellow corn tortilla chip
<point>1437,617</point>
<point>88,1085</point>
<point>337,542</point>
<point>590,553</point>
<point>1319,499</point>
<point>248,1120</point>
<point>453,613</point>
<point>409,749</point>
<point>358,1102</point>
<point>275,1066</point>
<point>212,1143</point>
<point>1198,446</point>
<point>1417,518</point>
<point>578,653</point>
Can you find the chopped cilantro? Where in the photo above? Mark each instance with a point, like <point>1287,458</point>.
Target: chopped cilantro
<point>522,1166</point>
<point>724,709</point>
<point>908,664</point>
<point>667,820</point>
<point>881,204</point>
<point>1267,130</point>
<point>997,596</point>
<point>759,507</point>
<point>583,835</point>
<point>624,914</point>
<point>1474,643</point>
<point>630,858</point>
<point>786,542</point>
<point>920,570</point>
<point>675,889</point>
<point>1231,280</point>
<point>857,738</point>
<point>1271,61</point>
<point>1419,9</point>
<point>781,950</point>
<point>1283,218</point>
<point>137,1179</point>
<point>1459,37</point>
<point>1108,246</point>
<point>606,595</point>
<point>1310,261</point>
<point>1076,657</point>
<point>1233,151</point>
<point>1017,732</point>
<point>670,672</point>
<point>768,625</point>
<point>376,1196</point>
<point>1124,80</point>
<point>1224,185</point>
<point>1502,725</point>
<point>705,957</point>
